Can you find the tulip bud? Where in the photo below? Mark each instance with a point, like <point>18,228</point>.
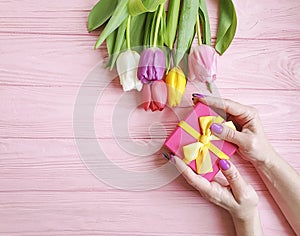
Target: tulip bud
<point>176,83</point>
<point>159,94</point>
<point>127,64</point>
<point>203,63</point>
<point>152,65</point>
<point>154,95</point>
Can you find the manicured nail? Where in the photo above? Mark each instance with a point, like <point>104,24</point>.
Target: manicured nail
<point>198,95</point>
<point>165,155</point>
<point>172,159</point>
<point>216,128</point>
<point>224,164</point>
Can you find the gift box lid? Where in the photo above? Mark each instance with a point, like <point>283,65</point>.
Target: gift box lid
<point>180,138</point>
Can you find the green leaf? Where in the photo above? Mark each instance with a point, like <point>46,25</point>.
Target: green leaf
<point>118,43</point>
<point>191,41</point>
<point>205,22</point>
<point>136,7</point>
<point>110,43</point>
<point>100,13</point>
<point>161,30</point>
<point>172,22</point>
<point>117,18</point>
<point>148,26</point>
<point>152,31</point>
<point>137,30</point>
<point>186,30</point>
<point>227,26</point>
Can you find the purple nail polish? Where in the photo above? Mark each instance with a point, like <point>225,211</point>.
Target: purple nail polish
<point>172,159</point>
<point>224,164</point>
<point>198,95</point>
<point>216,128</point>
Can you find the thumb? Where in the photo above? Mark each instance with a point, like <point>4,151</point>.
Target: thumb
<point>228,134</point>
<point>235,180</point>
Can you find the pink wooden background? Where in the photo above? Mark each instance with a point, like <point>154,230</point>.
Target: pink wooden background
<point>45,188</point>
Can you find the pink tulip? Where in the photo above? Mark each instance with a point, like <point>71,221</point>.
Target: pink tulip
<point>154,95</point>
<point>203,63</point>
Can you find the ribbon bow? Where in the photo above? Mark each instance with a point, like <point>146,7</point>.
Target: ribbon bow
<point>199,150</point>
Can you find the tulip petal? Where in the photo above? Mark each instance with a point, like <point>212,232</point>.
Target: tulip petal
<point>146,96</point>
<point>145,72</point>
<point>203,63</point>
<point>176,84</point>
<point>171,85</point>
<point>152,65</point>
<point>127,64</point>
<point>159,94</point>
<point>159,63</point>
<point>153,106</point>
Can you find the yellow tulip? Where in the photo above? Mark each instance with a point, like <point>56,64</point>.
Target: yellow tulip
<point>176,83</point>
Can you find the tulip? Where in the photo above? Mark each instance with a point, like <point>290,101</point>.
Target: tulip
<point>176,83</point>
<point>127,64</point>
<point>154,95</point>
<point>203,64</point>
<point>152,65</point>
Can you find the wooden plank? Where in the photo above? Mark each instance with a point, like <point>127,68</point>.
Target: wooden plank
<point>55,165</point>
<point>124,213</point>
<point>262,20</point>
<point>65,61</point>
<point>34,112</point>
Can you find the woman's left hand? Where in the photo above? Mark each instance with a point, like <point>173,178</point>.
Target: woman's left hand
<point>232,194</point>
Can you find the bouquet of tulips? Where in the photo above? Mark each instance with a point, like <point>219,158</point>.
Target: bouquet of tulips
<point>149,40</point>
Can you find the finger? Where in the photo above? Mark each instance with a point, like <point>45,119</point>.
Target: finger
<point>226,105</point>
<point>191,177</point>
<point>235,180</point>
<point>213,192</point>
<point>221,180</point>
<point>228,134</point>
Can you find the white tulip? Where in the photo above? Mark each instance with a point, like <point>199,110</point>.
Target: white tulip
<point>127,65</point>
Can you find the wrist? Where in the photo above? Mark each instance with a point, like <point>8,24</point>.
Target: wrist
<point>248,225</point>
<point>244,216</point>
<point>268,159</point>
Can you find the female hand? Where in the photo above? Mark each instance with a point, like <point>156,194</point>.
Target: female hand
<point>251,140</point>
<point>236,196</point>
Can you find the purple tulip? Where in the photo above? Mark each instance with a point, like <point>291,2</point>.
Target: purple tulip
<point>152,65</point>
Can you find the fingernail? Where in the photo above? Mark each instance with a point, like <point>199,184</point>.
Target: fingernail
<point>165,155</point>
<point>224,164</point>
<point>172,159</point>
<point>216,128</point>
<point>198,95</point>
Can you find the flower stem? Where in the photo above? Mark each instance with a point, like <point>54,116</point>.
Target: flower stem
<point>161,8</point>
<point>198,31</point>
<point>128,33</point>
<point>210,87</point>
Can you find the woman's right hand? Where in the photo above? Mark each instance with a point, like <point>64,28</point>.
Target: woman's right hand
<point>250,137</point>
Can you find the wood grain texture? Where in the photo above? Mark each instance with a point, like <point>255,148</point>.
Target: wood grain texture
<point>262,20</point>
<point>48,112</point>
<point>45,187</point>
<point>275,65</point>
<point>175,213</point>
<point>32,161</point>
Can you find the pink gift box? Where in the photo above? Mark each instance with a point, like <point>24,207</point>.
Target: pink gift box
<point>179,138</point>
